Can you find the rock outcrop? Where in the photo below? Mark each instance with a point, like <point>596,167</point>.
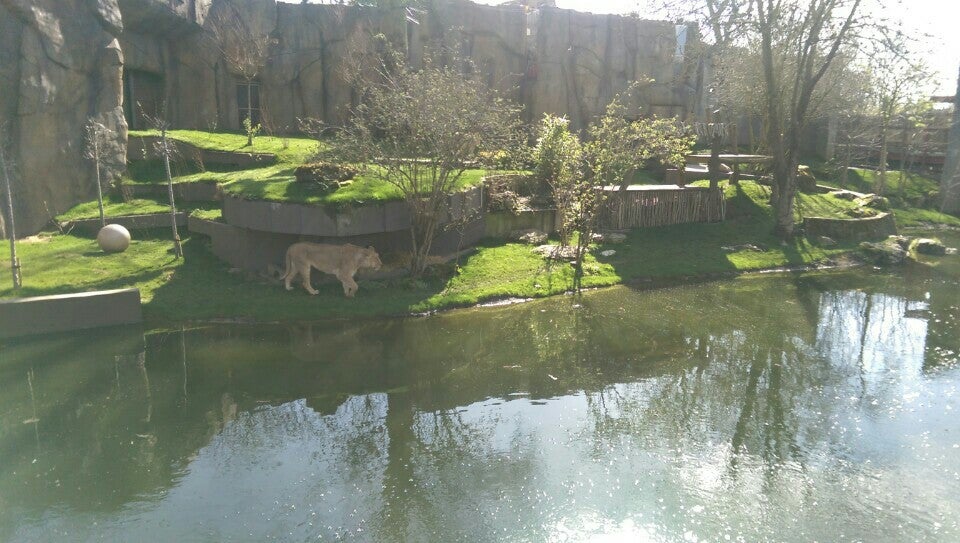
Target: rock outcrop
<point>60,67</point>
<point>549,60</point>
<point>64,63</point>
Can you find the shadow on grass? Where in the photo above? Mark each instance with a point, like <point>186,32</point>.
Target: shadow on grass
<point>203,289</point>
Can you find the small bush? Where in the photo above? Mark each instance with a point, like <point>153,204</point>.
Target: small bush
<point>329,176</point>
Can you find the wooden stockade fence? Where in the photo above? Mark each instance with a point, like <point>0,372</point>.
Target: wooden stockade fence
<point>660,205</point>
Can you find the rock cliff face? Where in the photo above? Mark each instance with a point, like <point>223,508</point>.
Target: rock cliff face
<point>550,60</point>
<point>60,67</point>
<point>65,62</point>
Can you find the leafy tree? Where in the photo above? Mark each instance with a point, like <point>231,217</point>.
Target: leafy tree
<point>950,182</point>
<point>420,130</point>
<point>618,146</point>
<point>558,155</point>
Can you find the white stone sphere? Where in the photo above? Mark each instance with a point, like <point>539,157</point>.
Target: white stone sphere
<point>113,238</point>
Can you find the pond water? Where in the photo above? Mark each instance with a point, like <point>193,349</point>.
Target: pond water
<point>808,407</point>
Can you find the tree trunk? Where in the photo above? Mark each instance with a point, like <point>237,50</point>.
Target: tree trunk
<point>881,185</point>
<point>713,167</point>
<point>177,247</point>
<point>11,229</point>
<point>96,165</point>
<point>785,184</point>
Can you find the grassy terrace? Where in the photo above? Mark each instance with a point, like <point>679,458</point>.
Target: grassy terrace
<point>199,286</point>
<point>273,182</point>
<point>907,193</point>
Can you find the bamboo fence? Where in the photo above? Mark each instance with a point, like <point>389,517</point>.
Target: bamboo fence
<point>660,205</point>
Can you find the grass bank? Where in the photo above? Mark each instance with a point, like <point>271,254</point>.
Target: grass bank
<point>274,182</point>
<point>200,287</point>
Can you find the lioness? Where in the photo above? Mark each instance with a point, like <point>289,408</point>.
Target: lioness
<point>339,260</point>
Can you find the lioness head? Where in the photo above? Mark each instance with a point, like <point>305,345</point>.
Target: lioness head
<point>370,259</point>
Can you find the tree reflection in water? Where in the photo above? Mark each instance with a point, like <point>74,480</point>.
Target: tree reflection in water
<point>691,411</point>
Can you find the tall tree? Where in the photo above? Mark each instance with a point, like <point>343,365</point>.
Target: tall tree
<point>797,43</point>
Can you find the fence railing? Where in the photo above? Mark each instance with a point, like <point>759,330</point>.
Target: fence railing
<point>660,205</point>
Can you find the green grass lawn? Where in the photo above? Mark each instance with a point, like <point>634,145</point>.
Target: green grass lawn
<point>273,182</point>
<point>199,287</point>
<point>909,195</point>
<point>115,206</point>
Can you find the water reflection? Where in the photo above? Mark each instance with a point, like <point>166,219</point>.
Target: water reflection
<point>801,408</point>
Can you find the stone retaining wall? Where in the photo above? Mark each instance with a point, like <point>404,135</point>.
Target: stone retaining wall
<point>868,228</point>
<point>61,313</point>
<point>256,251</point>
<point>502,223</point>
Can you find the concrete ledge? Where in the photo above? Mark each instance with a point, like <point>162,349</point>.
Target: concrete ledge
<point>130,222</point>
<point>256,251</point>
<point>65,312</point>
<point>864,229</point>
<point>501,224</point>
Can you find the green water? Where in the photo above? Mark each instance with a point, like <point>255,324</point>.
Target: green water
<point>818,407</point>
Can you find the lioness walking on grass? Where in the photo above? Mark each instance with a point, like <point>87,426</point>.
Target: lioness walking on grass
<point>343,261</point>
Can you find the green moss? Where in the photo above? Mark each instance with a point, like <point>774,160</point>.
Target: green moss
<point>911,217</point>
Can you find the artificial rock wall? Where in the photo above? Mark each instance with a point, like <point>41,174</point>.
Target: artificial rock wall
<point>64,62</point>
<point>60,66</point>
<point>549,60</point>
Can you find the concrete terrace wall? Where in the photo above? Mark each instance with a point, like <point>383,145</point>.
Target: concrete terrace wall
<point>255,234</point>
<point>61,313</point>
<point>869,228</point>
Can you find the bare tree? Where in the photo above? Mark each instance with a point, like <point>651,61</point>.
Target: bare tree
<point>420,130</point>
<point>899,80</point>
<point>243,48</point>
<point>166,150</point>
<point>96,135</point>
<point>6,163</point>
<point>797,44</point>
